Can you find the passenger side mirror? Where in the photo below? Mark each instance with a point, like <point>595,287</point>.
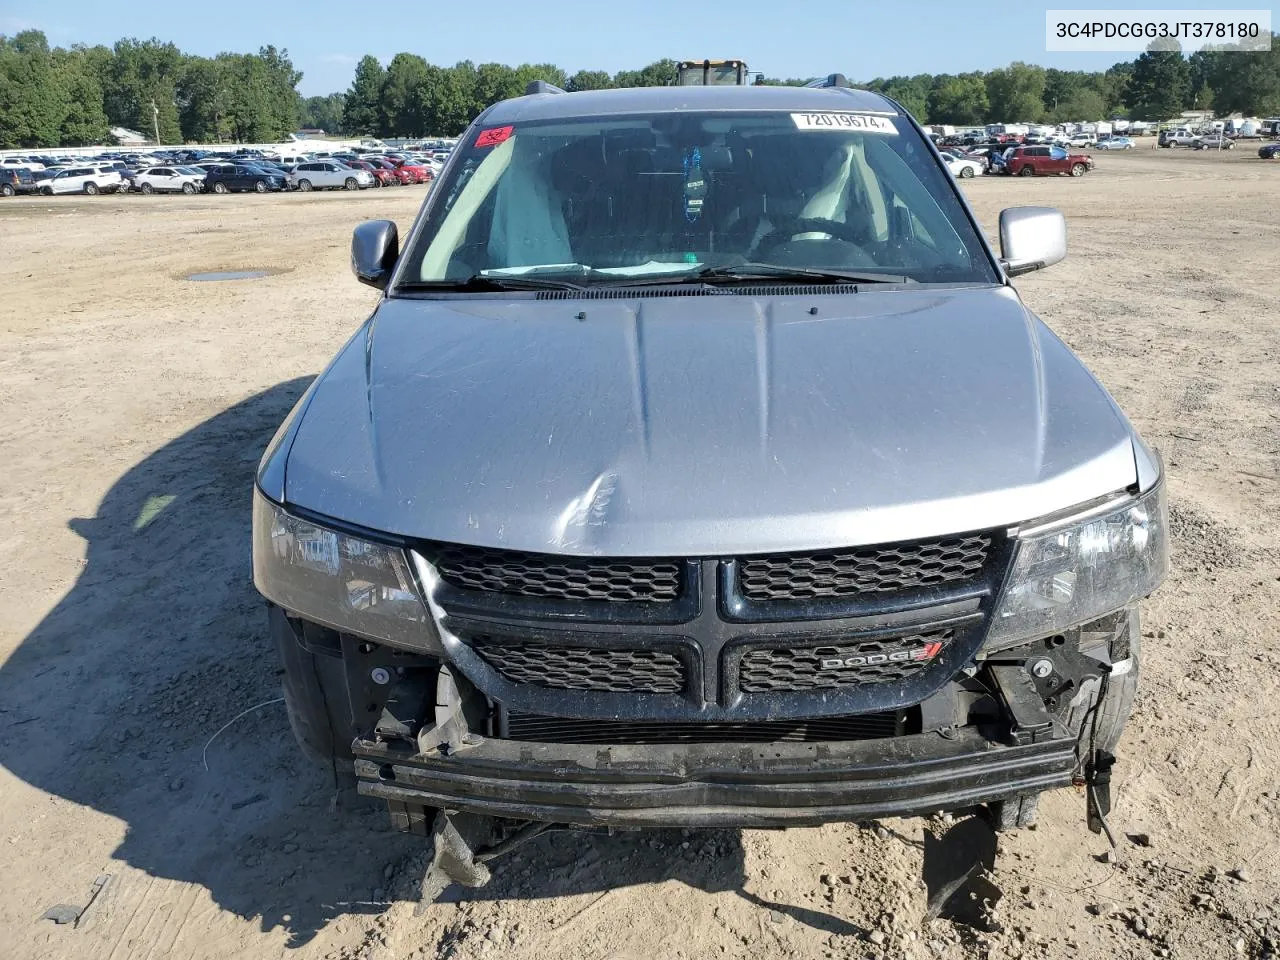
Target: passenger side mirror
<point>375,247</point>
<point>1031,238</point>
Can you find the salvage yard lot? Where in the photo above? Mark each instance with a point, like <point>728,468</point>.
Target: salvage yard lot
<point>136,405</point>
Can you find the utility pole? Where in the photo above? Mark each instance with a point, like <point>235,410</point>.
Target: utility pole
<point>155,118</point>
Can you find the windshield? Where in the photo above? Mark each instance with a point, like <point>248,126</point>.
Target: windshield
<point>683,192</point>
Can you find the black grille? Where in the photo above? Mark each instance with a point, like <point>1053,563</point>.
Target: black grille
<point>882,569</point>
<point>583,668</point>
<point>879,660</point>
<point>871,726</point>
<point>566,578</point>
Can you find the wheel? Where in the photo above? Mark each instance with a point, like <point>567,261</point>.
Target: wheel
<point>376,183</point>
<point>91,189</point>
<point>1027,171</point>
<point>6,189</point>
<point>147,188</point>
<point>351,184</point>
<point>966,172</point>
<point>47,191</point>
<point>220,187</point>
<point>188,188</point>
<point>305,186</point>
<point>260,186</point>
<point>315,695</point>
<point>1113,711</point>
<point>1078,169</point>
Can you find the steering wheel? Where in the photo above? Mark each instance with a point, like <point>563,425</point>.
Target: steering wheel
<point>791,227</point>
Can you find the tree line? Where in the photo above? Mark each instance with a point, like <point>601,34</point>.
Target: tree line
<point>65,97</point>
<point>69,97</point>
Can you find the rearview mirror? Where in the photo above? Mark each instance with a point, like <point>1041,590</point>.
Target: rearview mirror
<point>375,247</point>
<point>1031,238</point>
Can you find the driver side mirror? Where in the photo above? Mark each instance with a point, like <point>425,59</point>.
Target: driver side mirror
<point>375,247</point>
<point>1031,238</point>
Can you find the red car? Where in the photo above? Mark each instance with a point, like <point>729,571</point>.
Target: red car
<point>419,173</point>
<point>381,176</point>
<point>1046,160</point>
<point>382,163</point>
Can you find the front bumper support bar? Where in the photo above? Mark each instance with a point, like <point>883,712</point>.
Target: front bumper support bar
<point>699,785</point>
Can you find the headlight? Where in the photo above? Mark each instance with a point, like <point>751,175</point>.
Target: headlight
<point>344,582</point>
<point>1079,568</point>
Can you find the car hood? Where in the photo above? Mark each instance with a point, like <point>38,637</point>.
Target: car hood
<point>703,425</point>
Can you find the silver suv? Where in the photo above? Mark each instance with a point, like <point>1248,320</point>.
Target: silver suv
<point>700,465</point>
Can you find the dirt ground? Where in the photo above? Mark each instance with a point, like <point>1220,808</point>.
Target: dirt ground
<point>136,404</point>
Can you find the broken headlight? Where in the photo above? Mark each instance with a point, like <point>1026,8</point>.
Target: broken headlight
<point>1077,568</point>
<point>342,581</point>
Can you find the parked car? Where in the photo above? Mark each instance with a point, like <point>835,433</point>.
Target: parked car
<point>330,175</point>
<point>238,177</point>
<point>169,180</point>
<point>919,594</point>
<point>417,172</point>
<point>402,176</point>
<point>382,177</point>
<point>21,163</point>
<point>964,167</point>
<point>14,180</point>
<point>1270,152</point>
<point>1114,143</point>
<point>1081,140</point>
<point>1043,161</point>
<point>1177,138</point>
<point>83,179</point>
<point>1213,141</point>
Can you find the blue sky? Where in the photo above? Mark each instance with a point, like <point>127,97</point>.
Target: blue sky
<point>326,37</point>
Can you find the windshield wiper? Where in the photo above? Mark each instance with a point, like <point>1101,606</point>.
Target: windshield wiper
<point>483,284</point>
<point>775,271</point>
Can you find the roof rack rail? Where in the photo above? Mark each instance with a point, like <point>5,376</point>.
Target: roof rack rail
<point>541,86</point>
<point>831,80</point>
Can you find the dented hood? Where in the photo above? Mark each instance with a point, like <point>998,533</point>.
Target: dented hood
<point>703,425</point>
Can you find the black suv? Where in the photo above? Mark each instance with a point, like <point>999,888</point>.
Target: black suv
<point>232,177</point>
<point>17,181</point>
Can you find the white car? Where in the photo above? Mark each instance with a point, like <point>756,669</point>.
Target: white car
<point>84,179</point>
<point>1081,140</point>
<point>962,166</point>
<point>21,163</point>
<point>329,174</point>
<point>169,180</point>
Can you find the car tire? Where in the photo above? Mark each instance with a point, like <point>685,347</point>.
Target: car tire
<point>46,191</point>
<point>1112,712</point>
<point>1027,171</point>
<point>188,188</point>
<point>6,190</point>
<point>259,186</point>
<point>351,183</point>
<point>1078,169</point>
<point>147,188</point>
<point>966,172</point>
<point>91,189</point>
<point>1014,813</point>
<point>315,695</point>
<point>220,187</point>
<point>305,186</point>
<point>376,183</point>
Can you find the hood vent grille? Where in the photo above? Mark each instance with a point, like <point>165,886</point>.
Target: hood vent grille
<point>695,290</point>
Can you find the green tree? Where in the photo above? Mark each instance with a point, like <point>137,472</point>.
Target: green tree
<point>1248,82</point>
<point>661,73</point>
<point>362,108</point>
<point>404,96</point>
<point>142,79</point>
<point>83,120</point>
<point>323,113</point>
<point>1085,104</point>
<point>959,100</point>
<point>1158,86</point>
<point>32,101</point>
<point>1016,93</point>
<point>590,80</point>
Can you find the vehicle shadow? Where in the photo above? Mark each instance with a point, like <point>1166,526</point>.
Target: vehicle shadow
<point>110,701</point>
<point>122,695</point>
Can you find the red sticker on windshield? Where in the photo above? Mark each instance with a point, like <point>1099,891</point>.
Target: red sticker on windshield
<point>494,136</point>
